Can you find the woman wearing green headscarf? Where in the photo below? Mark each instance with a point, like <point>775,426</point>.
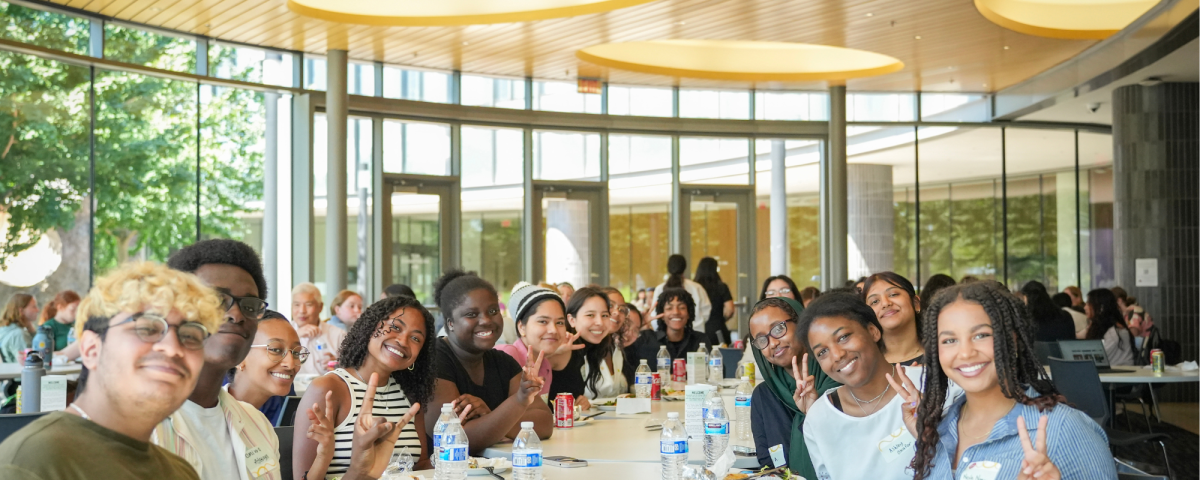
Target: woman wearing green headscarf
<point>777,407</point>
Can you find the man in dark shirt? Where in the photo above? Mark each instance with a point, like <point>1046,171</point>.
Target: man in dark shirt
<point>142,348</point>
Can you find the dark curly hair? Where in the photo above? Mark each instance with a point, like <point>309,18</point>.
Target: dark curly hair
<point>450,290</point>
<point>594,354</point>
<point>416,383</point>
<point>221,251</point>
<point>1013,355</point>
<point>845,305</point>
<point>675,293</point>
<point>791,286</point>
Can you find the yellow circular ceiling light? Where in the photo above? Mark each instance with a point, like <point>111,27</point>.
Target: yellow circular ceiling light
<point>1068,19</point>
<point>740,60</point>
<point>428,13</point>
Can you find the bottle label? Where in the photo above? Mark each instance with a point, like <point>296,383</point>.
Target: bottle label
<point>527,460</point>
<point>454,453</point>
<point>437,440</point>
<point>716,428</point>
<point>642,379</point>
<point>671,447</point>
<point>716,362</point>
<point>664,364</point>
<point>741,400</point>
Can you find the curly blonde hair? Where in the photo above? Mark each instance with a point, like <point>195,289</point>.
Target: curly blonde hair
<point>148,286</point>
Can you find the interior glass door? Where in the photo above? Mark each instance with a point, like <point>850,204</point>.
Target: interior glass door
<point>567,236</point>
<point>416,241</point>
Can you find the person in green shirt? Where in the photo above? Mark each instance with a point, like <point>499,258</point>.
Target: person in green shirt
<point>142,349</point>
<point>59,315</point>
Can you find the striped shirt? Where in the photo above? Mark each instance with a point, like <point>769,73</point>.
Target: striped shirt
<point>1077,446</point>
<point>390,403</point>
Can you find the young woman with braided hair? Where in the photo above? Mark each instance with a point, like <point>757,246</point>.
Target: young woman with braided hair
<point>982,338</point>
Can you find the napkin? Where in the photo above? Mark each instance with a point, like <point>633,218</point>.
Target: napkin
<point>724,462</point>
<point>628,406</point>
<point>1188,366</point>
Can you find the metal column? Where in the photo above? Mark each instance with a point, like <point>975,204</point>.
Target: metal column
<point>336,115</point>
<point>779,217</point>
<point>833,194</point>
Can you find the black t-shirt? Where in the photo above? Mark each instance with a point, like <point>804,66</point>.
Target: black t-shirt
<point>647,344</point>
<point>498,371</point>
<point>1060,327</point>
<point>569,379</point>
<point>718,299</point>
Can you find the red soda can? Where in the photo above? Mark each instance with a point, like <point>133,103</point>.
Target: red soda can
<point>656,386</point>
<point>564,410</point>
<point>679,370</point>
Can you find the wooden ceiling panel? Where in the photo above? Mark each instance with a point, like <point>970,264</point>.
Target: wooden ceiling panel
<point>959,50</point>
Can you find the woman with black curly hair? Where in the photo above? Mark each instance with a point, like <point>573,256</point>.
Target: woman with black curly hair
<point>351,423</point>
<point>500,392</point>
<point>674,330</point>
<point>982,338</point>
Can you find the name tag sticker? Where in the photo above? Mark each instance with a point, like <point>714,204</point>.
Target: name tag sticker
<point>898,445</point>
<point>981,471</point>
<point>777,455</point>
<point>260,462</point>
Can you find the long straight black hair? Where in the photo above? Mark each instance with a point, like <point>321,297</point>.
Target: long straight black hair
<point>707,275</point>
<point>594,354</point>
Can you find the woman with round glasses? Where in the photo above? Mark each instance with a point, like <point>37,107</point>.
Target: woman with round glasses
<point>266,375</point>
<point>777,411</point>
<point>779,286</point>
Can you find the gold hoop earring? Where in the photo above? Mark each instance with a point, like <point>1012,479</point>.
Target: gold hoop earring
<point>414,365</point>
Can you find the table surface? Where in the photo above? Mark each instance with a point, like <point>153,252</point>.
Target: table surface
<point>12,370</point>
<point>594,471</point>
<point>1144,375</point>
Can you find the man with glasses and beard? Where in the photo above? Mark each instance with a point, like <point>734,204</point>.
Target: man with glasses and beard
<point>221,437</point>
<point>142,337</point>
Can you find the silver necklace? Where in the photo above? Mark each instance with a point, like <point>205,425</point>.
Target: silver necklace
<point>868,402</point>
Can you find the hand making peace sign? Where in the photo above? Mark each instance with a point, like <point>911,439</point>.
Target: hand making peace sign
<point>911,396</point>
<point>1036,463</point>
<point>531,383</point>
<point>375,438</point>
<point>806,386</point>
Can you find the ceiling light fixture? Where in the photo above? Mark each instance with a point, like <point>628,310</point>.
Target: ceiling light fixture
<point>1006,47</point>
<point>1151,81</point>
<point>918,37</point>
<point>465,44</point>
<point>870,14</point>
<point>450,12</point>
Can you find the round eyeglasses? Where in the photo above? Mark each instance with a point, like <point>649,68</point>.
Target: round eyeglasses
<point>152,327</point>
<point>276,351</point>
<point>777,332</point>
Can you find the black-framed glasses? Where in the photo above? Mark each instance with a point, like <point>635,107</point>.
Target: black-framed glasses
<point>777,332</point>
<point>250,306</point>
<point>276,351</point>
<point>152,327</point>
<point>778,293</point>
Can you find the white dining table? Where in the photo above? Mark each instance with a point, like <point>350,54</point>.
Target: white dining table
<point>593,471</point>
<point>9,371</point>
<point>1145,375</point>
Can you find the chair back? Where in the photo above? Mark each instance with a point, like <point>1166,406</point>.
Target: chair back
<point>729,361</point>
<point>287,414</point>
<point>1079,381</point>
<point>9,424</point>
<point>285,450</point>
<point>1045,350</point>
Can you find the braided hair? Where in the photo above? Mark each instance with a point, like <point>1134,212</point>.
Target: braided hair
<point>594,354</point>
<point>1014,356</point>
<point>418,382</point>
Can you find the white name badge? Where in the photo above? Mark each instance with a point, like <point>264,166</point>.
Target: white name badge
<point>777,455</point>
<point>981,471</point>
<point>260,462</point>
<point>898,445</point>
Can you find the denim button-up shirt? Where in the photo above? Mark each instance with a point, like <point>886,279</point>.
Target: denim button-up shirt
<point>1077,446</point>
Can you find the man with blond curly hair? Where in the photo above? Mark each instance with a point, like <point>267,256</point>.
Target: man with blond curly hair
<point>143,328</point>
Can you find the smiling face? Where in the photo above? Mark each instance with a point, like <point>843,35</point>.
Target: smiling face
<point>633,325</point>
<point>846,350</point>
<point>349,310</point>
<point>306,308</point>
<point>265,368</point>
<point>592,320</point>
<point>545,328</point>
<point>398,339</point>
<point>676,316</point>
<point>893,307</point>
<point>477,323</point>
<point>779,351</point>
<point>780,288</point>
<point>616,319</point>
<point>965,348</point>
<point>231,342</point>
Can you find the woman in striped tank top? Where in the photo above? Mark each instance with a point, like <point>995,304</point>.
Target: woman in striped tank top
<point>358,414</point>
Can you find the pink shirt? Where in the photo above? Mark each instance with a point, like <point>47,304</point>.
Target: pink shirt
<point>519,351</point>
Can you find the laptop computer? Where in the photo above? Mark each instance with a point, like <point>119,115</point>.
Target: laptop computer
<point>1087,350</point>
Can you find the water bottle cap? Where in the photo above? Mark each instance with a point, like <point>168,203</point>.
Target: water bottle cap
<point>447,407</point>
<point>673,415</point>
<point>525,425</point>
<point>745,378</point>
<point>643,362</point>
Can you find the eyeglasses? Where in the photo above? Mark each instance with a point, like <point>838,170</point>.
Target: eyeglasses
<point>251,306</point>
<point>276,352</point>
<point>621,310</point>
<point>778,293</point>
<point>777,332</point>
<point>151,328</point>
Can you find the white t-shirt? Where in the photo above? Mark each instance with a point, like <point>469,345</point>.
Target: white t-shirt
<point>703,304</point>
<point>878,446</point>
<point>1081,322</point>
<point>611,383</point>
<point>213,445</point>
<point>1118,345</point>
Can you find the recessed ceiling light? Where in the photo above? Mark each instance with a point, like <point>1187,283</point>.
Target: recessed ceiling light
<point>870,14</point>
<point>985,85</point>
<point>918,37</point>
<point>681,22</point>
<point>465,43</point>
<point>1006,47</point>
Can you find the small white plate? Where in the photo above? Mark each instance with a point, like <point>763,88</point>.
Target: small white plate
<point>606,408</point>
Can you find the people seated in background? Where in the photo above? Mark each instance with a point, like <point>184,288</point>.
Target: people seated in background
<point>221,437</point>
<point>499,391</point>
<point>715,329</point>
<point>898,309</point>
<point>808,294</point>
<point>1076,298</point>
<point>386,370</point>
<point>676,266</point>
<point>320,338</point>
<point>1051,323</point>
<point>265,377</point>
<point>1107,324</point>
<point>632,328</point>
<point>347,306</point>
<point>1080,320</point>
<point>779,286</point>
<point>935,284</point>
<point>968,279</point>
<point>776,414</point>
<point>1136,318</point>
<point>618,312</point>
<point>598,369</point>
<point>15,334</point>
<point>844,426</point>
<point>981,338</point>
<point>674,331</point>
<point>143,350</point>
<point>642,300</point>
<point>565,290</point>
<point>59,314</point>
<point>397,289</point>
<point>541,322</point>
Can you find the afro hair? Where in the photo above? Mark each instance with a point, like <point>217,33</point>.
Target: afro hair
<point>221,251</point>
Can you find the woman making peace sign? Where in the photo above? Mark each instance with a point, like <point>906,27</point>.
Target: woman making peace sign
<point>982,338</point>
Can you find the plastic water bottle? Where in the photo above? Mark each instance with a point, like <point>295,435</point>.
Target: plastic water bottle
<point>673,445</point>
<point>716,367</point>
<point>664,362</point>
<point>642,380</point>
<point>439,428</point>
<point>452,453</point>
<point>716,430</point>
<point>321,348</point>
<point>527,454</point>
<point>741,409</point>
<point>702,373</point>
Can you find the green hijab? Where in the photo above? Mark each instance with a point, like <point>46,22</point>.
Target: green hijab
<point>780,382</point>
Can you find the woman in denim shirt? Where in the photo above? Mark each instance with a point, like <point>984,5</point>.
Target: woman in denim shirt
<point>1012,422</point>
